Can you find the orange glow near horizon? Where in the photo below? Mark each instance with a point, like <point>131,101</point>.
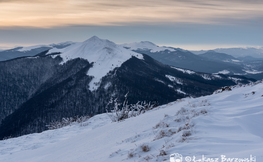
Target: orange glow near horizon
<point>29,13</point>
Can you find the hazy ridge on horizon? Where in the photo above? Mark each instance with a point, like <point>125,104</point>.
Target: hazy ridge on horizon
<point>236,51</point>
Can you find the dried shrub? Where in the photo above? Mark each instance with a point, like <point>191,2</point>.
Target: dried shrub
<point>67,121</point>
<point>145,148</point>
<point>187,126</point>
<point>182,111</point>
<point>115,153</point>
<point>161,125</point>
<point>170,146</point>
<point>162,153</point>
<point>147,158</point>
<point>204,111</point>
<point>178,120</point>
<point>131,154</point>
<point>186,134</point>
<point>164,133</point>
<point>182,140</point>
<point>8,137</point>
<point>122,111</point>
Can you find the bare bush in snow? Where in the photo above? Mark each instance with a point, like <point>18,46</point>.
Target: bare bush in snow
<point>161,125</point>
<point>145,148</point>
<point>186,133</point>
<point>67,121</point>
<point>165,133</point>
<point>199,104</point>
<point>121,111</point>
<point>131,154</point>
<point>162,153</point>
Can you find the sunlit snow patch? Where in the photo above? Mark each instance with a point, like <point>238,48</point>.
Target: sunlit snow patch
<point>236,60</point>
<point>236,80</point>
<point>180,91</point>
<point>223,72</point>
<point>253,71</point>
<point>174,79</point>
<point>184,70</point>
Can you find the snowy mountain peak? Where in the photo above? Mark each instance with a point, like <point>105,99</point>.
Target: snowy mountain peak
<point>94,39</point>
<point>99,42</point>
<point>61,44</point>
<point>146,45</point>
<point>104,54</point>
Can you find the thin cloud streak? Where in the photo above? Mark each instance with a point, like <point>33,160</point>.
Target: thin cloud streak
<point>46,14</point>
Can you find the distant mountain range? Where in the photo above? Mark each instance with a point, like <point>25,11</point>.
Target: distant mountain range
<point>212,55</point>
<point>208,61</point>
<point>81,78</point>
<point>237,52</point>
<point>29,51</point>
<point>232,61</point>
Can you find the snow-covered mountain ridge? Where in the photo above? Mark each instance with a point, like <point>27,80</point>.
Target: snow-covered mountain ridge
<point>53,45</point>
<point>208,61</point>
<point>104,54</point>
<point>146,45</point>
<point>30,50</point>
<point>228,123</point>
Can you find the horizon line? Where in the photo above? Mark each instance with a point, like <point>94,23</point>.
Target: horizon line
<point>189,47</point>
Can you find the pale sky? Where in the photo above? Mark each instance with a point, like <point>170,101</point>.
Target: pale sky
<point>196,24</point>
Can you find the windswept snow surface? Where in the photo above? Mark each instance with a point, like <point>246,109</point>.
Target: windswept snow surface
<point>105,55</point>
<point>146,45</point>
<point>227,123</point>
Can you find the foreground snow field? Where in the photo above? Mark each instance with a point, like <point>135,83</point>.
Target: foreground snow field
<point>227,123</point>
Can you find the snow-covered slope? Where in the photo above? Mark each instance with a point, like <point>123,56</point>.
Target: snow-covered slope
<point>227,123</point>
<point>146,45</point>
<point>105,55</point>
